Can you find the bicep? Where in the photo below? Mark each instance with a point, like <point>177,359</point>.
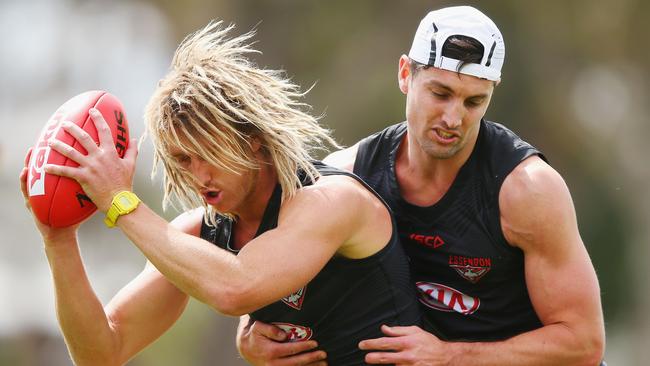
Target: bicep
<point>538,217</point>
<point>280,261</point>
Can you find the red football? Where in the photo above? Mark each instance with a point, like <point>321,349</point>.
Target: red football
<point>60,201</point>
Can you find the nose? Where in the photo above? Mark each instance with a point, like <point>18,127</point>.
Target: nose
<point>453,114</point>
<point>200,170</point>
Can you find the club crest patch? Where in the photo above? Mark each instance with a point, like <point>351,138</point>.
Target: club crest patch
<point>295,333</point>
<point>470,268</point>
<point>472,274</point>
<point>295,299</point>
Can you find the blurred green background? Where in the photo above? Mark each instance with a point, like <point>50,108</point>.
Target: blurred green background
<point>575,84</point>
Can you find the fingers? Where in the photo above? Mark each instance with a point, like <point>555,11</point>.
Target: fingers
<point>132,151</point>
<point>316,358</point>
<point>384,358</point>
<point>80,135</point>
<point>28,156</point>
<point>398,331</point>
<point>23,185</point>
<point>66,150</point>
<point>64,171</point>
<point>268,330</point>
<point>381,344</point>
<point>103,130</point>
<point>294,348</point>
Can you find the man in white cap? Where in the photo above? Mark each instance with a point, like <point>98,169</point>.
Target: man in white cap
<point>489,226</point>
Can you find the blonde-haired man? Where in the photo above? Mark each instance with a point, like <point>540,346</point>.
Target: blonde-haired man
<point>233,141</point>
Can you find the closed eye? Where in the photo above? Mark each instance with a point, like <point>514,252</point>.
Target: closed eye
<point>474,102</point>
<point>182,159</point>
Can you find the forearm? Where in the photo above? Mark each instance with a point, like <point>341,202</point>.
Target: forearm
<point>81,316</point>
<point>554,344</point>
<point>202,271</point>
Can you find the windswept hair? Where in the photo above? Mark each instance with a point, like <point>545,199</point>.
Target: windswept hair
<point>214,102</point>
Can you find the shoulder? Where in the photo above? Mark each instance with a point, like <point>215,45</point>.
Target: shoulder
<point>338,199</point>
<point>386,138</point>
<point>343,159</point>
<point>340,210</point>
<point>533,199</point>
<point>337,189</point>
<point>190,221</point>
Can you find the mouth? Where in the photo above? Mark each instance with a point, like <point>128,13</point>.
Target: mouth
<point>445,136</point>
<point>211,197</point>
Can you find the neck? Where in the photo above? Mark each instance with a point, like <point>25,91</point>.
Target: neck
<point>424,179</point>
<point>429,167</point>
<point>252,209</point>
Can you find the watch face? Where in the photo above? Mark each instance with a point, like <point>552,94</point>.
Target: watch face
<point>124,201</point>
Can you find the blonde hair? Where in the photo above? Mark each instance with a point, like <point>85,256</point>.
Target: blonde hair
<point>214,102</point>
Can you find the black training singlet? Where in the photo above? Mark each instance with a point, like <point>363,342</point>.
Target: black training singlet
<point>469,279</point>
<point>347,301</point>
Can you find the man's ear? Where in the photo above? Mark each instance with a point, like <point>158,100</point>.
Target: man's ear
<point>404,74</point>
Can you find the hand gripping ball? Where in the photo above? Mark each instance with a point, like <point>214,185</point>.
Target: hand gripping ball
<point>59,201</point>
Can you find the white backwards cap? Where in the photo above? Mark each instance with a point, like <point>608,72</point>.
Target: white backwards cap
<point>439,25</point>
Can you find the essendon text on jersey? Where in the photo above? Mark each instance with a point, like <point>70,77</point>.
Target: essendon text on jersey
<point>295,333</point>
<point>444,298</point>
<point>459,260</point>
<point>431,241</point>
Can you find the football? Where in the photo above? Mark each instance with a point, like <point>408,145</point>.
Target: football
<point>59,201</point>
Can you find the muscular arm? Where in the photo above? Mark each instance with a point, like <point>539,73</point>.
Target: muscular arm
<point>538,216</point>
<point>265,269</point>
<point>135,317</point>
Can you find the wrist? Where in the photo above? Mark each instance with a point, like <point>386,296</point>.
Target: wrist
<point>61,238</point>
<point>456,351</point>
<point>105,204</point>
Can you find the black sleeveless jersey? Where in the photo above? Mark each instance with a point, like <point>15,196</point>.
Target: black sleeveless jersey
<point>347,301</point>
<point>469,279</point>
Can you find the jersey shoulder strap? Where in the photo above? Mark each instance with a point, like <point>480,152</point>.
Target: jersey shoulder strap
<point>376,149</point>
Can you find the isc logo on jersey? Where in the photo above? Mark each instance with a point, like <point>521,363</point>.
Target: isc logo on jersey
<point>295,333</point>
<point>444,298</point>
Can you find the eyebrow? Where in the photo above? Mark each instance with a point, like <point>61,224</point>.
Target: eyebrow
<point>445,87</point>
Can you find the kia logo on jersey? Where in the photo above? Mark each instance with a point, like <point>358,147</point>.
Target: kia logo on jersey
<point>295,299</point>
<point>295,333</point>
<point>444,298</point>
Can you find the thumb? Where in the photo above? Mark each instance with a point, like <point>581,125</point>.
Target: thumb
<point>269,331</point>
<point>28,157</point>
